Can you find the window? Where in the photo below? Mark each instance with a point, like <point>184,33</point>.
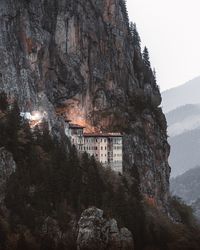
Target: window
<point>101,148</point>
<point>105,148</point>
<point>104,140</point>
<point>96,140</point>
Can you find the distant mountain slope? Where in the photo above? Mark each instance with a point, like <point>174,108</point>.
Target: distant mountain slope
<point>179,114</point>
<point>196,208</point>
<point>183,119</point>
<point>187,185</point>
<point>185,151</point>
<point>188,93</point>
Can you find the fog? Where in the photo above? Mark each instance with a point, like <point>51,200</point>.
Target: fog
<point>170,29</point>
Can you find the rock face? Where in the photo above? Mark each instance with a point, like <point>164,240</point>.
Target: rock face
<point>7,167</point>
<point>95,232</point>
<point>78,58</point>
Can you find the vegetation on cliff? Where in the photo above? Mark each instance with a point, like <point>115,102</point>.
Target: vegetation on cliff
<point>85,58</point>
<point>52,181</point>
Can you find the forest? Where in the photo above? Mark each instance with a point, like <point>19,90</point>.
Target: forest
<point>52,181</point>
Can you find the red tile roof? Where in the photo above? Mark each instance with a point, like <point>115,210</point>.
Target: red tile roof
<point>102,135</point>
<point>71,125</point>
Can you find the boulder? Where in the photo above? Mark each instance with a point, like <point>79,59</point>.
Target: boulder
<point>97,232</point>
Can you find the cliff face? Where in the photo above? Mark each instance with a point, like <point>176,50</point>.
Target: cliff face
<point>77,57</point>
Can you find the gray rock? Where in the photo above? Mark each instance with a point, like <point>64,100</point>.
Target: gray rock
<point>78,58</point>
<point>97,232</point>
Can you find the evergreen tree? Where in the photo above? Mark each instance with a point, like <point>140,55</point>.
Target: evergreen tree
<point>124,11</point>
<point>145,56</point>
<point>45,137</point>
<point>95,185</point>
<point>135,34</point>
<point>22,244</point>
<point>75,174</point>
<point>13,127</point>
<point>3,102</point>
<point>3,233</point>
<point>154,77</point>
<point>47,243</point>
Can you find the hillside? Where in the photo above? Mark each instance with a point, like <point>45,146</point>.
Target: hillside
<point>50,194</point>
<point>82,61</point>
<point>185,150</point>
<point>183,119</point>
<point>188,93</point>
<point>196,207</point>
<point>178,115</point>
<point>182,110</point>
<point>187,185</point>
<point>85,62</point>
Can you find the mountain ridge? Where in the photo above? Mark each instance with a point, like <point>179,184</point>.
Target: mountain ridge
<point>181,95</point>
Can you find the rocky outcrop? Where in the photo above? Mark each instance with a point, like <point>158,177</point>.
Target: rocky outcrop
<point>97,232</point>
<point>78,58</point>
<point>7,167</point>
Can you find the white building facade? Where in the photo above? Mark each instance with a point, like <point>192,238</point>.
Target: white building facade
<point>105,147</point>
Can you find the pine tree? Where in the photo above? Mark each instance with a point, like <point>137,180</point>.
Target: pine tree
<point>146,60</point>
<point>13,127</point>
<point>22,244</point>
<point>154,77</point>
<point>75,174</point>
<point>3,102</point>
<point>135,34</point>
<point>123,6</point>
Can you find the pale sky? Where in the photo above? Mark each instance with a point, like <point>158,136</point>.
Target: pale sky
<point>171,31</point>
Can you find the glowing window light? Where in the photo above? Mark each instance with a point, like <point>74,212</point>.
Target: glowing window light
<point>36,116</point>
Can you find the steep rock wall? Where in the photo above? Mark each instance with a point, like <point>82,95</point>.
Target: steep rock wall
<point>77,57</point>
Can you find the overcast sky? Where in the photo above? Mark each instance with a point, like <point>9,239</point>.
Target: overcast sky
<point>171,31</point>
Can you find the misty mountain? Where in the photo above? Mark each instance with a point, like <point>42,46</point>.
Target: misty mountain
<point>179,114</point>
<point>187,185</point>
<point>182,109</point>
<point>183,119</point>
<point>185,151</point>
<point>188,93</point>
<point>196,208</point>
